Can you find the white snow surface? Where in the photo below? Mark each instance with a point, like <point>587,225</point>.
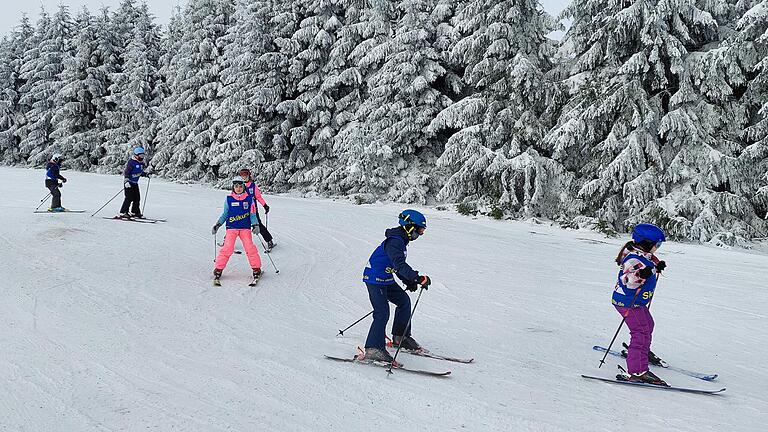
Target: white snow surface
<point>114,326</point>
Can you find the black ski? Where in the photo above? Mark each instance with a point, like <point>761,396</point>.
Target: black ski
<point>699,375</point>
<point>660,387</point>
<point>429,354</point>
<point>254,281</point>
<point>217,282</point>
<point>53,212</point>
<point>386,365</point>
<point>128,219</point>
<point>149,219</point>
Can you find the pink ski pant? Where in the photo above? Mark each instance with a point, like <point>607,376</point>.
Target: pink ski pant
<point>246,238</point>
<point>640,323</point>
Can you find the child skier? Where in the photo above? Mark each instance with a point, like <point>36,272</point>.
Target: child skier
<point>633,293</point>
<point>133,170</point>
<point>387,260</point>
<point>52,177</point>
<point>241,219</point>
<point>255,192</point>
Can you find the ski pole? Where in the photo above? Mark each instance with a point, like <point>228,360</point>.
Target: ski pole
<point>268,255</point>
<point>341,332</point>
<point>42,201</point>
<point>146,195</point>
<point>214,246</point>
<point>408,326</point>
<point>105,204</point>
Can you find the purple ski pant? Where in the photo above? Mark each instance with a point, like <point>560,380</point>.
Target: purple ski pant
<point>640,323</point>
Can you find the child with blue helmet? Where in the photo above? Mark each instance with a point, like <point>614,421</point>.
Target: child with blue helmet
<point>52,178</point>
<point>134,169</point>
<point>632,295</point>
<point>386,262</point>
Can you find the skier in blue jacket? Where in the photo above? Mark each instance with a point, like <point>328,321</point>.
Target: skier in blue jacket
<point>134,169</point>
<point>386,262</point>
<point>52,177</point>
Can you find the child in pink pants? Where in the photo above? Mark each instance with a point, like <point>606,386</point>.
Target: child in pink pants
<point>241,219</point>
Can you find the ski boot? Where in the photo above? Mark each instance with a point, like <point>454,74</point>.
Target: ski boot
<point>376,354</point>
<point>217,276</point>
<point>655,360</point>
<point>57,209</point>
<point>256,277</point>
<point>406,343</point>
<point>647,377</point>
<point>123,216</point>
<point>652,358</point>
<point>270,246</point>
<point>137,215</point>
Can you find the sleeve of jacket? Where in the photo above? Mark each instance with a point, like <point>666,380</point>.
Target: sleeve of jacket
<point>58,173</point>
<point>127,170</point>
<point>395,248</point>
<point>223,217</point>
<point>257,194</point>
<point>630,276</point>
<point>254,215</point>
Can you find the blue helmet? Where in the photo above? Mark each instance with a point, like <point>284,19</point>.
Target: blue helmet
<point>138,151</point>
<point>412,217</point>
<point>648,232</point>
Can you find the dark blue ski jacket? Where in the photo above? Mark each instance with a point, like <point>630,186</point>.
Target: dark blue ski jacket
<point>389,259</point>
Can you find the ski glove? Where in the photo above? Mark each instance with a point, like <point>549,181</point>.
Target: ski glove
<point>255,228</point>
<point>63,180</point>
<point>411,286</point>
<point>266,208</point>
<point>661,265</point>
<point>645,272</point>
<point>61,185</point>
<point>215,228</point>
<point>127,184</point>
<point>425,281</point>
<point>144,175</point>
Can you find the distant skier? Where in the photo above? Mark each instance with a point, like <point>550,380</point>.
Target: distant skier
<point>241,220</point>
<point>254,191</point>
<point>133,170</point>
<point>633,293</point>
<point>52,177</point>
<point>387,261</point>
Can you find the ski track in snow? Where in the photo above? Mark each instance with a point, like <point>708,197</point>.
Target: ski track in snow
<point>108,325</point>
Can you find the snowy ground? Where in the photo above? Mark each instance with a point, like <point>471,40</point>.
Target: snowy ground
<point>109,325</point>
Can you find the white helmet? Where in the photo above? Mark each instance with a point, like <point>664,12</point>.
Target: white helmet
<point>57,157</point>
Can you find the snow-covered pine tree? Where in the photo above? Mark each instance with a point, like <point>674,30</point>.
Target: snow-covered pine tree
<point>73,120</point>
<point>751,44</point>
<point>708,175</point>
<point>628,60</point>
<point>309,109</point>
<point>186,134</point>
<point>246,115</point>
<point>40,69</point>
<point>495,130</point>
<point>389,139</point>
<point>12,51</point>
<point>134,95</point>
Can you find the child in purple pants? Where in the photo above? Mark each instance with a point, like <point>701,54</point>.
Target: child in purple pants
<point>632,296</point>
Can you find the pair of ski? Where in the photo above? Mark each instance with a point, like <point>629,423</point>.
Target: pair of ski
<point>56,212</point>
<point>135,219</point>
<point>623,377</point>
<point>252,283</point>
<point>401,367</point>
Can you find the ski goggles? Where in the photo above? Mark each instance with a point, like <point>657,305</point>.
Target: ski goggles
<point>658,244</point>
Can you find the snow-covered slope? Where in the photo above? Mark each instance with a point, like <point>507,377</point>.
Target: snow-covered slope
<point>110,325</point>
